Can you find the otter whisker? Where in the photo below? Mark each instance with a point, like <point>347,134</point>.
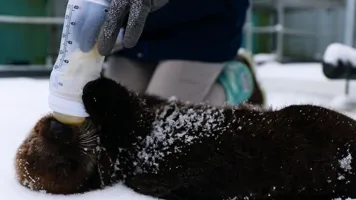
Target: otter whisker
<point>84,152</point>
<point>87,129</point>
<point>87,150</point>
<point>85,147</point>
<point>87,153</point>
<point>87,123</point>
<point>87,132</point>
<point>86,126</point>
<point>87,135</point>
<point>89,140</point>
<point>93,140</point>
<point>90,137</point>
<point>88,144</point>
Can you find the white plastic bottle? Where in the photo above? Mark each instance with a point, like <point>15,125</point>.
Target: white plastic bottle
<point>78,61</point>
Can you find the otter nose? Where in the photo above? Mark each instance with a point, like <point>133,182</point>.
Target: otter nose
<point>59,132</point>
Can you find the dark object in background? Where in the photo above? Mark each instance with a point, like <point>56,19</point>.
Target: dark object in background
<point>18,62</point>
<point>342,70</point>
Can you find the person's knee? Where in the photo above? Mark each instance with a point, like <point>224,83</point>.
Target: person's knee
<point>216,95</point>
<point>186,80</point>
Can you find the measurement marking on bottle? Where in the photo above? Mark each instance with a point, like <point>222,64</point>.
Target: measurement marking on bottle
<point>66,35</point>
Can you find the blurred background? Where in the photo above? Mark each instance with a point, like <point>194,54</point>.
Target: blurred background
<point>287,30</point>
<point>290,30</point>
<point>299,30</point>
<point>287,39</point>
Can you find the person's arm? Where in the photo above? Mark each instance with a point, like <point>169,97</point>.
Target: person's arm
<point>182,11</point>
<point>166,13</point>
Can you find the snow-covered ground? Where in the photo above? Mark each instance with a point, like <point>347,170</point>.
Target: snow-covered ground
<point>23,101</point>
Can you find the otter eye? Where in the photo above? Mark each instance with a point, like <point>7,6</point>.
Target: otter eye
<point>58,132</point>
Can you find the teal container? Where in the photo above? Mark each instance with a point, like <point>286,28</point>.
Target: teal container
<point>24,43</point>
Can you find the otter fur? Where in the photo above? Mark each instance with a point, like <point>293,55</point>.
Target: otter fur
<point>174,150</point>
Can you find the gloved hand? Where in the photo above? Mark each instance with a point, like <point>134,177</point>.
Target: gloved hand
<point>135,12</point>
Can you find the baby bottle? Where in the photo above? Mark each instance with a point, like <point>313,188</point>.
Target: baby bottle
<point>78,61</point>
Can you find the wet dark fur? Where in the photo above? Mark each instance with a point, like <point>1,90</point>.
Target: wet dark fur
<point>292,153</point>
<point>53,161</point>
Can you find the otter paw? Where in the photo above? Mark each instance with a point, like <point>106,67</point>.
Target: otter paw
<point>102,96</point>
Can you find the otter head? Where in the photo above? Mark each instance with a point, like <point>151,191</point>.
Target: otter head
<point>57,158</point>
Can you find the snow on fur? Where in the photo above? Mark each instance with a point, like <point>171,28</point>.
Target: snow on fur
<point>170,131</point>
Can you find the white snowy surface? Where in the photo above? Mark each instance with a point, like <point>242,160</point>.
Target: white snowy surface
<point>23,101</point>
<point>336,51</point>
<point>262,58</point>
<point>303,83</point>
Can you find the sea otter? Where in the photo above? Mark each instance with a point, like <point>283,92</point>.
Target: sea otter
<point>177,150</point>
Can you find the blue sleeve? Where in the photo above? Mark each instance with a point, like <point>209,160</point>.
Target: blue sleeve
<point>203,30</point>
<point>182,11</point>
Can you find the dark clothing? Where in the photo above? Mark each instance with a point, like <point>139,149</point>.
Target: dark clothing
<point>199,30</point>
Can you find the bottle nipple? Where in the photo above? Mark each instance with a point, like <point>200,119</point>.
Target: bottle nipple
<point>68,119</point>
